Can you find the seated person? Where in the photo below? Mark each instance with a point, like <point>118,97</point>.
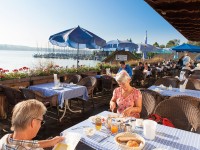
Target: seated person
<point>140,66</point>
<point>26,121</point>
<point>125,67</point>
<point>187,66</point>
<point>127,98</point>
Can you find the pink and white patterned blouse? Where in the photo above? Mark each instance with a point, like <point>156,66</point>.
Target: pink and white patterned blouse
<point>128,101</point>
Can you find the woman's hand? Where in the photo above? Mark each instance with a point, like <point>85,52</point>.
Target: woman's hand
<point>112,105</point>
<point>127,112</point>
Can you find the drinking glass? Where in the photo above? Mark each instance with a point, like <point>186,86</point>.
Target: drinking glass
<point>98,124</point>
<point>114,128</point>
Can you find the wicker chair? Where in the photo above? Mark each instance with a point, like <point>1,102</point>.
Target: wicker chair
<point>148,104</point>
<point>157,96</point>
<point>196,72</point>
<point>107,83</point>
<point>167,82</point>
<point>194,76</point>
<point>90,82</point>
<point>182,113</point>
<point>13,96</point>
<point>193,100</point>
<point>138,77</point>
<point>49,101</point>
<point>192,84</point>
<point>73,78</point>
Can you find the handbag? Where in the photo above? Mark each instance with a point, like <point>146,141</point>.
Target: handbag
<point>160,120</point>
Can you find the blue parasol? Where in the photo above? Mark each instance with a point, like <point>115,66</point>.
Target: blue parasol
<point>77,38</point>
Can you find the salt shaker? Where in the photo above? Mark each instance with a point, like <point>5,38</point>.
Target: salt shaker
<point>127,128</point>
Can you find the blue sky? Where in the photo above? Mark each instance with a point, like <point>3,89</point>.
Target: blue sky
<point>31,22</point>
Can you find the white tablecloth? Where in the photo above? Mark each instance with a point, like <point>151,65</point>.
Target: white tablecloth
<point>166,137</point>
<point>175,91</point>
<point>68,91</point>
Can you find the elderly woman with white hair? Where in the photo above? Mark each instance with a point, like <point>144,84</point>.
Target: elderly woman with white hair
<point>26,121</point>
<point>127,99</point>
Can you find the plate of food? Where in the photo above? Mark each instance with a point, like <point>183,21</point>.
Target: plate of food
<point>89,131</point>
<point>93,118</point>
<point>129,141</point>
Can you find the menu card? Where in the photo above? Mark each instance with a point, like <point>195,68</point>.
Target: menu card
<point>70,141</point>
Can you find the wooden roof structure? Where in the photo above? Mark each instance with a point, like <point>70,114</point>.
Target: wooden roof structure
<point>112,57</point>
<point>184,15</point>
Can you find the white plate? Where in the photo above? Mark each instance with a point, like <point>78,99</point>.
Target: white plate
<point>57,88</point>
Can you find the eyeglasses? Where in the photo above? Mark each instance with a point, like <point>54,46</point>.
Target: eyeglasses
<point>42,121</point>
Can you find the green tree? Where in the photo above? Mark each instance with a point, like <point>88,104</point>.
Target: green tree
<point>150,54</point>
<point>162,46</point>
<point>173,43</point>
<point>177,42</point>
<point>156,44</point>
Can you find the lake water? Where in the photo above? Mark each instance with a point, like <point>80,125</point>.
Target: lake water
<point>12,59</point>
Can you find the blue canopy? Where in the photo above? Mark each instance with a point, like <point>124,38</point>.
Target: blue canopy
<point>120,45</point>
<point>74,37</point>
<point>77,38</point>
<point>187,47</point>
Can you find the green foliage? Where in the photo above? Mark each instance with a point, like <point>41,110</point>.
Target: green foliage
<point>150,54</point>
<point>173,43</point>
<point>156,44</point>
<point>43,70</point>
<point>162,46</point>
<point>138,56</point>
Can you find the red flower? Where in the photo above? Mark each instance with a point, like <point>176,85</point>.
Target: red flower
<point>20,69</point>
<point>25,68</point>
<point>15,70</point>
<point>1,69</point>
<point>1,76</point>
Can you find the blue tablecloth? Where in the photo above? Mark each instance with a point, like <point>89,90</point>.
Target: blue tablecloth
<point>68,91</point>
<point>175,91</point>
<point>166,137</point>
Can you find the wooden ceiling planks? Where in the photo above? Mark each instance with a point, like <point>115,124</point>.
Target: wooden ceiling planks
<point>184,15</point>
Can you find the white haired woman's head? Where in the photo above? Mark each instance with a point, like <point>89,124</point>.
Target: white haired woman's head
<point>123,77</point>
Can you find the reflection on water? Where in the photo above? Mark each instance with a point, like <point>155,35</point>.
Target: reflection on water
<point>11,59</point>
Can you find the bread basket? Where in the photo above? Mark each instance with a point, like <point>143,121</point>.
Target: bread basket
<point>123,146</point>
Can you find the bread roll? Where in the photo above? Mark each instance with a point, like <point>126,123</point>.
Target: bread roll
<point>132,144</point>
<point>128,138</point>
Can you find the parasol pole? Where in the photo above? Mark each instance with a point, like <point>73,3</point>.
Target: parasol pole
<point>78,56</point>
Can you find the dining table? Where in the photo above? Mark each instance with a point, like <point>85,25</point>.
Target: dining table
<point>65,92</point>
<point>167,138</point>
<point>166,91</point>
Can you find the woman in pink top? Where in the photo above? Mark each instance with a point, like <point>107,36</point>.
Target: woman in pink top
<point>127,98</point>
